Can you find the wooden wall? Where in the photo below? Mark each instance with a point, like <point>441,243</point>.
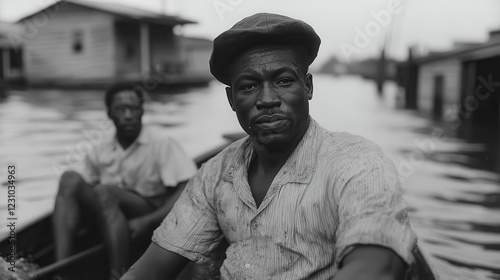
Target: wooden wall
<point>450,69</point>
<point>457,81</point>
<point>50,54</point>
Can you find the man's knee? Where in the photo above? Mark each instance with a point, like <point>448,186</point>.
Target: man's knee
<point>70,182</point>
<point>106,195</point>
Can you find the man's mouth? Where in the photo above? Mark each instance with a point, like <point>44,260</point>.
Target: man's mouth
<point>129,126</point>
<point>270,118</point>
<point>272,122</point>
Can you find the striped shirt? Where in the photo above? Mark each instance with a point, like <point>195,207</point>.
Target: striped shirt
<point>335,190</point>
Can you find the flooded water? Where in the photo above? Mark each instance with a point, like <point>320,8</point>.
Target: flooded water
<point>450,173</point>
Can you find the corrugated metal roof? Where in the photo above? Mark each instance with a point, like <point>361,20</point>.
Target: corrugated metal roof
<point>467,50</point>
<point>123,11</point>
<point>460,53</point>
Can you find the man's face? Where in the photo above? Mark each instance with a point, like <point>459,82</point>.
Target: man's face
<point>126,113</point>
<point>270,94</point>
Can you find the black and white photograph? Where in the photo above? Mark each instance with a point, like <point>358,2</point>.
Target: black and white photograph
<point>249,139</point>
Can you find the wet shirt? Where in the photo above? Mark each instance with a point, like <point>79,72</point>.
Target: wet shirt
<point>336,190</point>
<point>146,167</point>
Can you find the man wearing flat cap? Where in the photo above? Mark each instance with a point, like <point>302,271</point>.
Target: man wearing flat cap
<point>293,200</point>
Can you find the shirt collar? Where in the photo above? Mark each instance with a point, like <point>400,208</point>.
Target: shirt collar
<point>298,168</point>
<point>142,139</point>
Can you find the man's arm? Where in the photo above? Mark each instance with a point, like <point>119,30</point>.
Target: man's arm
<point>372,211</point>
<point>371,262</point>
<point>155,264</point>
<point>149,222</point>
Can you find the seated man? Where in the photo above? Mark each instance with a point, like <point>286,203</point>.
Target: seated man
<point>127,183</point>
<point>293,200</point>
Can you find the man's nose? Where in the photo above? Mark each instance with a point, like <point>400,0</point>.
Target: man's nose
<point>127,114</point>
<point>268,98</point>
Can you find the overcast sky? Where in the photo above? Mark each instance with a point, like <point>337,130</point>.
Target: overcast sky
<point>431,24</point>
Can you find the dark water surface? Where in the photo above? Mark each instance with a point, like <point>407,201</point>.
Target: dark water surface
<point>450,173</point>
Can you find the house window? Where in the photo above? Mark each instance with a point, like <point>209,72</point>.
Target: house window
<point>78,41</point>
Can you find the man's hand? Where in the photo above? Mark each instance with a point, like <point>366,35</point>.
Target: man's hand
<point>371,262</point>
<point>139,227</point>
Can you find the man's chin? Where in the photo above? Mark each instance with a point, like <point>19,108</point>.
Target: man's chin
<point>128,133</point>
<point>272,140</point>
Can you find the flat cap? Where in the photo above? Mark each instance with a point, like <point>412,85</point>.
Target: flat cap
<point>260,29</point>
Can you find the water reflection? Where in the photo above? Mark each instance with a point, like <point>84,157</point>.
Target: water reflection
<point>481,149</point>
<point>464,199</point>
<point>451,185</point>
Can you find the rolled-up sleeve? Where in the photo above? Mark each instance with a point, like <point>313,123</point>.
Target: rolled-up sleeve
<point>191,229</point>
<point>371,208</point>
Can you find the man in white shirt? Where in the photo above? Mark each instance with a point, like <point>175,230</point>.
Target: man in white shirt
<point>126,184</point>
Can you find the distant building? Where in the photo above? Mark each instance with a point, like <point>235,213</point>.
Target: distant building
<point>333,66</point>
<point>367,68</point>
<point>464,82</point>
<point>97,43</point>
<point>11,65</point>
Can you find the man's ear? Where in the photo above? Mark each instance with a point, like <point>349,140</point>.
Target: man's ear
<point>229,94</point>
<point>309,85</point>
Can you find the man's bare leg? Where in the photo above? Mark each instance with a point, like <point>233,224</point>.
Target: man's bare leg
<point>108,204</point>
<point>73,191</point>
<point>114,202</point>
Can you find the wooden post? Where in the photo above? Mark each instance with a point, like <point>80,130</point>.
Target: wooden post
<point>412,81</point>
<point>145,49</point>
<point>6,63</point>
<point>4,74</point>
<point>469,80</point>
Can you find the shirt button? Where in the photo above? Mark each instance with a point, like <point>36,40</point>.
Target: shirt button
<point>247,265</point>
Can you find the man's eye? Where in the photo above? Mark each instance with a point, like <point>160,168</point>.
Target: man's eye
<point>248,87</point>
<point>119,108</point>
<point>285,81</point>
<point>135,108</point>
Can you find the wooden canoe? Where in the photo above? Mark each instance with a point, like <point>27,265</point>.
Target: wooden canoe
<point>35,243</point>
